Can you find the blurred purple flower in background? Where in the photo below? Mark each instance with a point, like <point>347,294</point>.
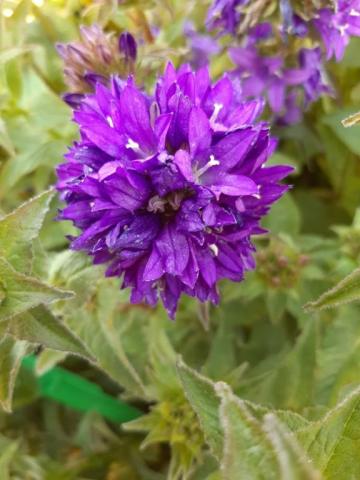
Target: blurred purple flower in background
<point>287,90</point>
<point>127,46</point>
<point>202,46</point>
<point>337,27</point>
<point>225,15</point>
<point>284,61</point>
<point>292,24</point>
<point>169,189</point>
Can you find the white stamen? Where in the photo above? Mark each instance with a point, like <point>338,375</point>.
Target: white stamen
<point>110,121</point>
<point>133,145</point>
<point>257,195</point>
<point>342,29</point>
<point>214,248</point>
<point>354,13</point>
<point>215,113</point>
<point>211,163</point>
<point>163,156</point>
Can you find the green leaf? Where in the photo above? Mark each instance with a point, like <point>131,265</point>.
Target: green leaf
<point>46,154</point>
<point>294,463</point>
<point>281,158</point>
<point>13,74</point>
<point>339,356</point>
<point>12,352</point>
<point>222,354</point>
<point>289,381</point>
<point>284,217</point>
<point>19,228</point>
<point>14,52</point>
<point>349,136</point>
<point>248,453</point>
<point>258,449</point>
<point>348,290</point>
<point>2,293</point>
<point>97,322</point>
<point>23,292</point>
<point>203,397</point>
<point>162,359</point>
<point>40,326</point>
<point>351,58</point>
<point>6,457</point>
<point>333,442</point>
<point>276,304</point>
<point>5,140</point>
<point>95,316</point>
<point>47,359</point>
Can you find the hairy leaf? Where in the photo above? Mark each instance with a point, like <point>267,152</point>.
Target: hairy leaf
<point>23,292</point>
<point>333,442</point>
<point>348,290</point>
<point>248,452</point>
<point>93,323</point>
<point>255,449</point>
<point>40,326</point>
<point>339,356</point>
<point>12,352</point>
<point>20,227</point>
<point>203,397</point>
<point>293,462</point>
<point>47,359</point>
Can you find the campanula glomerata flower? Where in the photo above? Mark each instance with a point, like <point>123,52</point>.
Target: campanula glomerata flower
<point>169,189</point>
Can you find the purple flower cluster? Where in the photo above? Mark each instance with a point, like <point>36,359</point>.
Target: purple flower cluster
<point>295,77</point>
<point>167,190</point>
<point>287,90</point>
<point>337,26</point>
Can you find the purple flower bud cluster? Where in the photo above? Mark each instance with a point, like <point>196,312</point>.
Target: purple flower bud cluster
<point>94,58</point>
<point>288,91</point>
<point>295,76</point>
<point>168,189</point>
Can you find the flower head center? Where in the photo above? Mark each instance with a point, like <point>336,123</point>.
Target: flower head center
<point>169,204</point>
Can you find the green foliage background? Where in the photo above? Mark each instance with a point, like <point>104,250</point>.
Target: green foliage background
<point>278,393</point>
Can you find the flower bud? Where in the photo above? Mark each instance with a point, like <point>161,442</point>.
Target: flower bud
<point>128,46</point>
<point>96,57</point>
